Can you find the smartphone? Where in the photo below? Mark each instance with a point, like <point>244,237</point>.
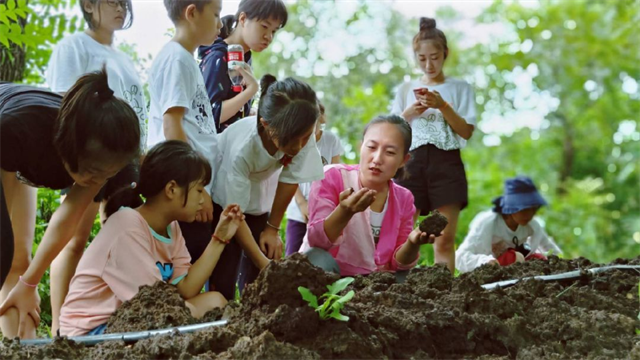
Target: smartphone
<point>420,92</point>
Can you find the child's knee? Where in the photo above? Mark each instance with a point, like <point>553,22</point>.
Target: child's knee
<point>216,300</point>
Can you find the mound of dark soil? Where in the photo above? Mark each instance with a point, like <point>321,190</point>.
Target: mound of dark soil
<point>431,315</point>
<point>154,307</point>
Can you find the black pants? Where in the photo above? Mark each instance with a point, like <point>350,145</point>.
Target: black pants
<point>234,266</point>
<point>6,238</point>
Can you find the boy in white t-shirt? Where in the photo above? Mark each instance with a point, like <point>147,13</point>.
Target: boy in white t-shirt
<point>180,108</point>
<point>298,211</point>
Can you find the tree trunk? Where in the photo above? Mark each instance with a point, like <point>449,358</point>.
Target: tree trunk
<point>13,60</point>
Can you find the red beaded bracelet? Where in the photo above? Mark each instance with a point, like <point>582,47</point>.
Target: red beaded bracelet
<point>216,238</point>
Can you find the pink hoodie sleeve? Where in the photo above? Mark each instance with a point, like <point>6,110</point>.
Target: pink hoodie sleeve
<point>323,199</point>
<point>406,226</point>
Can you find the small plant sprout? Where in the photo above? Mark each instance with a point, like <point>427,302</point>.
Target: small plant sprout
<point>333,302</point>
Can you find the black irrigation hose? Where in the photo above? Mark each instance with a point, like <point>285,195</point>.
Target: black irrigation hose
<point>128,336</point>
<point>563,276</point>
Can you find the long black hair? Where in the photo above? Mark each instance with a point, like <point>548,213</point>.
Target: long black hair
<point>94,125</point>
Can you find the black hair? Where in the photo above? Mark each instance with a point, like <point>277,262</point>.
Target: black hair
<point>93,124</point>
<point>172,160</point>
<point>429,31</point>
<point>497,205</point>
<point>175,8</point>
<point>88,18</point>
<point>166,161</point>
<point>401,124</point>
<point>255,10</point>
<point>290,107</point>
<point>120,191</point>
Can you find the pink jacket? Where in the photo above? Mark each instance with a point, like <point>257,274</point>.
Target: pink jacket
<point>355,250</point>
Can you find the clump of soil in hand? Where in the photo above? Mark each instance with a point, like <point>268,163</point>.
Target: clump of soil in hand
<point>434,223</point>
<point>159,306</point>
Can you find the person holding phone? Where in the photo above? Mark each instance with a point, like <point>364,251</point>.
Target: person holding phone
<point>441,111</point>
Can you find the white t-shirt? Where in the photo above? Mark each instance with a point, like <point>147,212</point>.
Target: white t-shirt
<point>176,81</point>
<point>329,146</point>
<point>375,220</point>
<point>431,127</point>
<point>79,54</point>
<point>248,175</point>
<point>489,237</point>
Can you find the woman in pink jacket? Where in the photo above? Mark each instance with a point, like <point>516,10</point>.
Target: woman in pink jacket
<point>360,221</point>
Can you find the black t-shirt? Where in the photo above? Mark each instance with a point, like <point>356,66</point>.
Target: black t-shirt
<point>27,117</point>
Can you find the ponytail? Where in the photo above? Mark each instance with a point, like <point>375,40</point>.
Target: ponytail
<point>289,107</point>
<point>122,190</point>
<point>228,24</point>
<point>95,125</point>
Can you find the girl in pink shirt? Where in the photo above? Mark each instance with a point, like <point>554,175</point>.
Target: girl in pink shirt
<point>141,246</point>
<point>360,221</point>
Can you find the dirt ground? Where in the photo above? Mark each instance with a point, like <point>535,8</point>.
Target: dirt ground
<point>432,315</point>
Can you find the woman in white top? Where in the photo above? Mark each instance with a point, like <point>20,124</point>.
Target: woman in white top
<point>298,210</point>
<point>263,159</point>
<point>73,57</point>
<point>508,233</point>
<point>441,111</point>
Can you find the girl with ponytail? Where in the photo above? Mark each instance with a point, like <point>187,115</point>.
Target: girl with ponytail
<point>79,141</point>
<point>143,245</point>
<point>253,27</point>
<point>264,158</point>
<point>441,112</point>
<point>72,57</point>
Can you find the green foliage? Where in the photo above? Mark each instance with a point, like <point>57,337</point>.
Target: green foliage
<point>575,63</point>
<point>333,302</point>
<point>45,23</point>
<point>582,154</point>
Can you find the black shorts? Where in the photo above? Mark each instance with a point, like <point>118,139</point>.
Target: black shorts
<point>435,178</point>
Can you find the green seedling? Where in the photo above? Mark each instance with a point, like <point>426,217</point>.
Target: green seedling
<point>333,302</point>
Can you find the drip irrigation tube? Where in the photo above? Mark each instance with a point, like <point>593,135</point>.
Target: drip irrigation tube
<point>563,276</point>
<point>128,336</point>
